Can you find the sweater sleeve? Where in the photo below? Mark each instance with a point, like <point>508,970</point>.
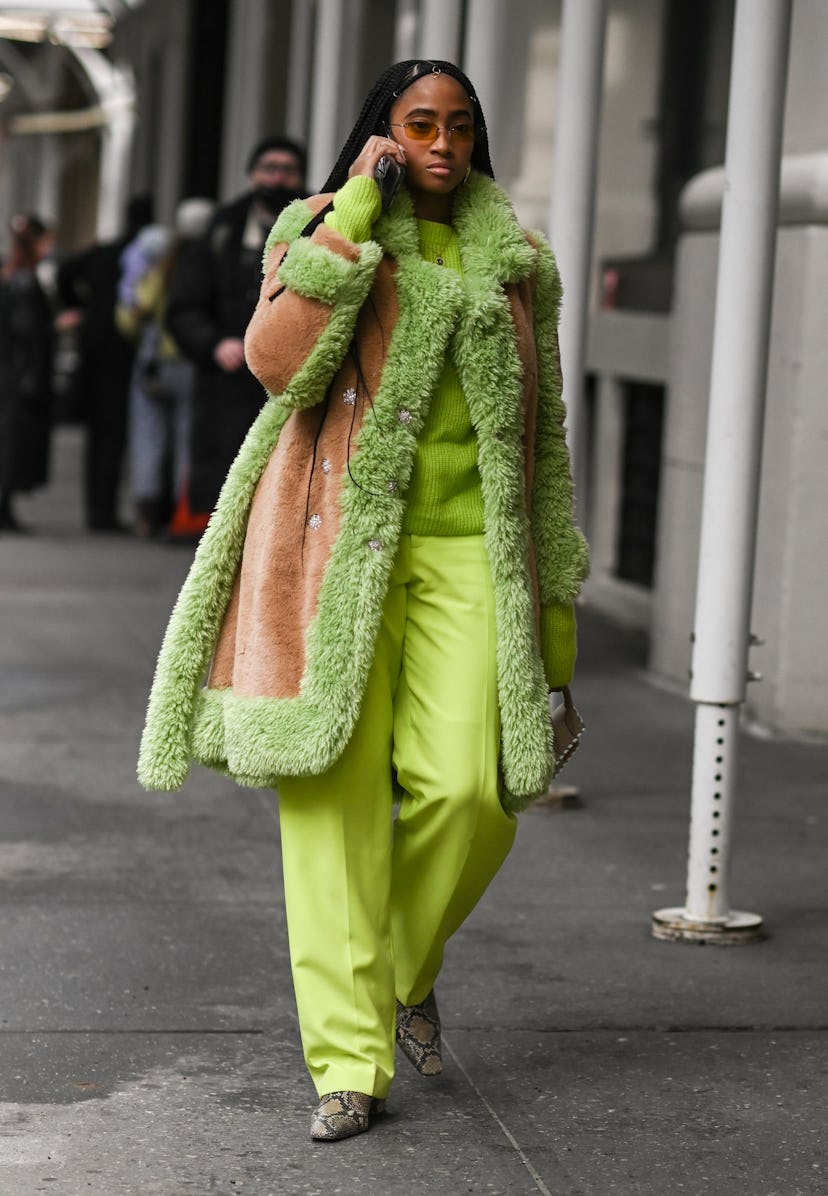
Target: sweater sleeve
<point>356,207</point>
<point>559,643</point>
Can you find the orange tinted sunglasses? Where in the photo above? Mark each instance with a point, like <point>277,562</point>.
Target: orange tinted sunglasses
<point>427,130</point>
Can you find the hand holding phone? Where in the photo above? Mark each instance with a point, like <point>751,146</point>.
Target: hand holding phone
<point>389,175</point>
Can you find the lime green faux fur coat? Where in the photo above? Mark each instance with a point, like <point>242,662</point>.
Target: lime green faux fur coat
<point>266,656</point>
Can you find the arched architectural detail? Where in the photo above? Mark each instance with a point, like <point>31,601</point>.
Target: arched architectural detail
<point>112,112</point>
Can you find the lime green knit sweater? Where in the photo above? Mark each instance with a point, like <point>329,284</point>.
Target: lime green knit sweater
<point>444,497</point>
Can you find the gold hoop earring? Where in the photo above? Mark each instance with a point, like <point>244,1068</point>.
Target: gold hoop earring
<point>466,175</point>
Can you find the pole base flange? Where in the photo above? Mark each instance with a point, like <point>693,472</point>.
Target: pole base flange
<point>676,926</point>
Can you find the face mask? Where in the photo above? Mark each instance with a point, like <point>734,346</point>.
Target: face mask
<point>276,198</point>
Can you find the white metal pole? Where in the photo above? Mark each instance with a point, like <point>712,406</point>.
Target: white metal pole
<point>572,212</point>
<point>327,81</point>
<point>732,465</point>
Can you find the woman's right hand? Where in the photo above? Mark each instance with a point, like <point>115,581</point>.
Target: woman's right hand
<point>376,147</point>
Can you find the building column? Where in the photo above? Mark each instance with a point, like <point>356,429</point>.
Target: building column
<point>243,90</point>
<point>115,89</point>
<point>572,214</point>
<point>605,482</point>
<point>170,149</point>
<point>47,202</point>
<point>440,26</point>
<point>48,183</point>
<point>299,69</point>
<point>405,30</point>
<point>328,81</point>
<point>494,58</point>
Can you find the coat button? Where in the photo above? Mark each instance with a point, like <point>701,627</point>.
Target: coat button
<point>326,465</point>
<point>404,416</point>
<point>392,487</point>
<point>349,397</point>
<point>315,522</point>
<point>376,545</point>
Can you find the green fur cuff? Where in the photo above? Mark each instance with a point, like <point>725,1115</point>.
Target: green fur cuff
<point>289,225</point>
<point>558,639</point>
<point>316,272</point>
<point>308,385</point>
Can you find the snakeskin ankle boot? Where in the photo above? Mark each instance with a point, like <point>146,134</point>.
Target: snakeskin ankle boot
<point>343,1114</point>
<point>419,1035</point>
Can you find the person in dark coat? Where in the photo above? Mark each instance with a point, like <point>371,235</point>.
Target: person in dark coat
<point>87,285</point>
<point>211,298</point>
<point>25,368</point>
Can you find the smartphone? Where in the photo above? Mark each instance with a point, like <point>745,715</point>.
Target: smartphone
<point>389,176</point>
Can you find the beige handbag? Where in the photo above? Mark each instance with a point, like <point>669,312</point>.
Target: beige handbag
<point>567,728</point>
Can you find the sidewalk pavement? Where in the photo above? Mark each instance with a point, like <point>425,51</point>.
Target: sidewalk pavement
<point>148,1042</point>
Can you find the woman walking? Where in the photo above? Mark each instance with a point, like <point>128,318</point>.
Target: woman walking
<point>385,591</point>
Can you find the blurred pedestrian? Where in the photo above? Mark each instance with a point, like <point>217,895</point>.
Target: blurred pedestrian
<point>211,299</point>
<point>88,289</point>
<point>162,380</point>
<point>26,344</point>
<point>137,258</point>
<point>387,584</point>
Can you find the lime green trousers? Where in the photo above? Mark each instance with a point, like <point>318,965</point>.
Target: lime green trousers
<point>371,900</point>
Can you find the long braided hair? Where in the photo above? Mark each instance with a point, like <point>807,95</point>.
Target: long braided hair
<point>373,119</point>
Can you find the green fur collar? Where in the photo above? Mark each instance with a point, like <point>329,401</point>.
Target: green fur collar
<point>493,247</point>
